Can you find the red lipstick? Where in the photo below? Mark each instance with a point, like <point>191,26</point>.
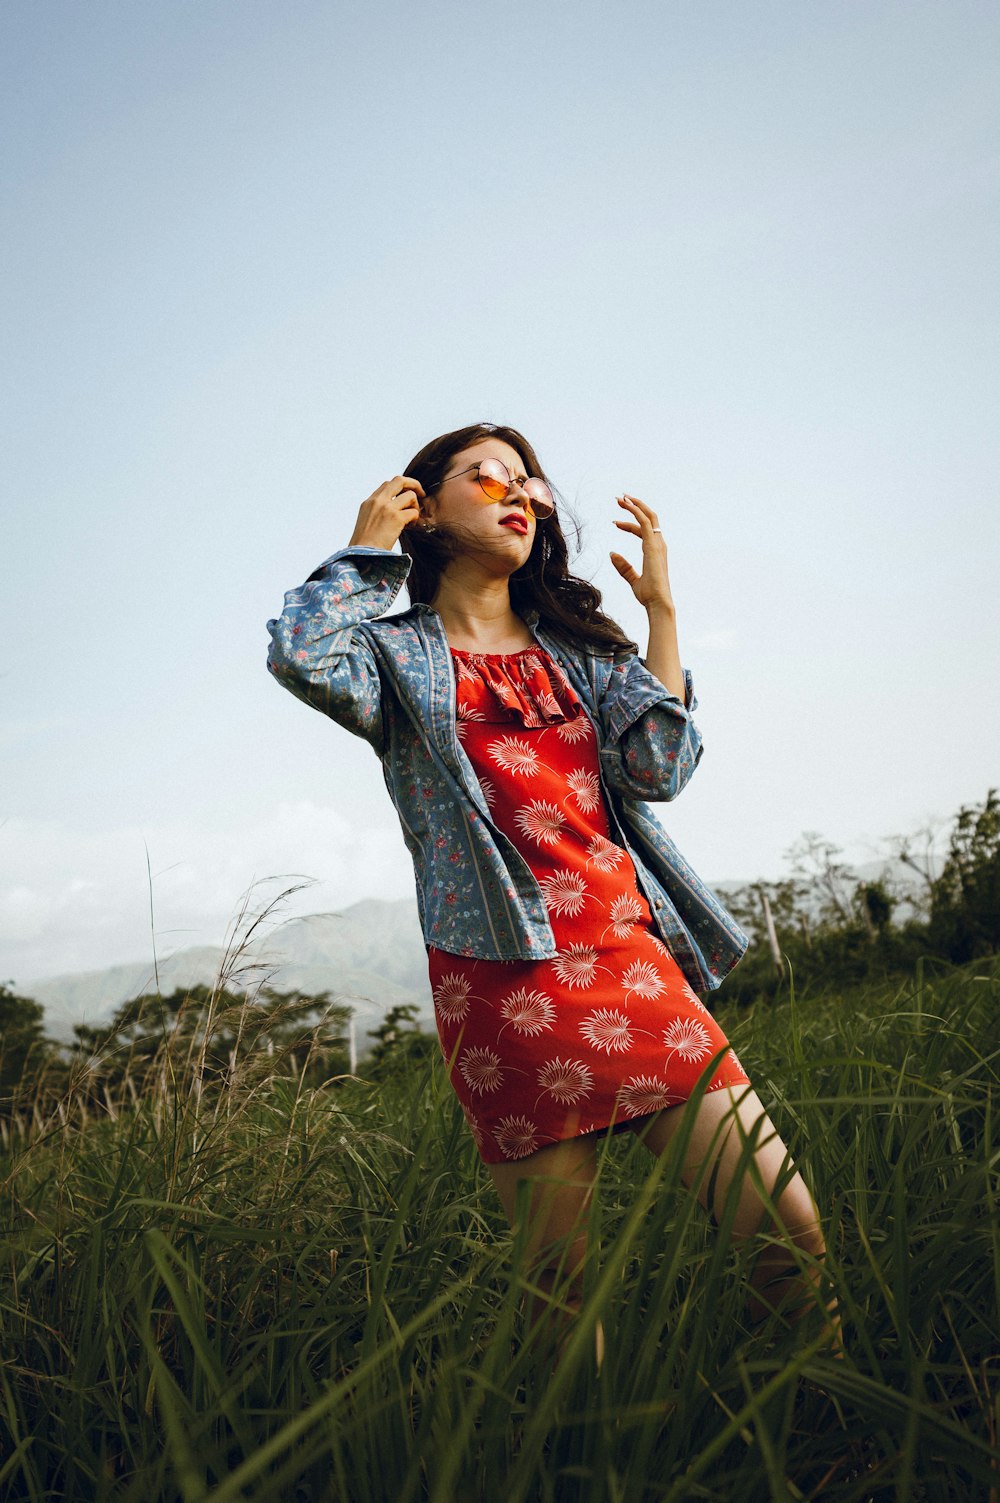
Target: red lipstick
<point>515,520</point>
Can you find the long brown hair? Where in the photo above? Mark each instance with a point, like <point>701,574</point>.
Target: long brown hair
<point>569,607</point>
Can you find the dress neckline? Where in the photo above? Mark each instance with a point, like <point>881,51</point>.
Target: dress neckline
<point>525,687</point>
<point>470,652</point>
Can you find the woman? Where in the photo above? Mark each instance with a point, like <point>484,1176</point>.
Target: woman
<point>521,739</point>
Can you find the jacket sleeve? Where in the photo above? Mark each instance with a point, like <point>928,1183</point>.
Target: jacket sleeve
<point>316,650</point>
<point>651,744</point>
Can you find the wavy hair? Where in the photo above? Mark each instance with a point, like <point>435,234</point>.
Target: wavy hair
<point>567,606</point>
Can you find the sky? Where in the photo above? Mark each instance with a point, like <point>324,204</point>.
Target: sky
<point>738,260</point>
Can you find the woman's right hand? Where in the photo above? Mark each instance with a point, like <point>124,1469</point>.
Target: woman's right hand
<point>386,512</point>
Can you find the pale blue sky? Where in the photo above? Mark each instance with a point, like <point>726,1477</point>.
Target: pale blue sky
<point>737,259</point>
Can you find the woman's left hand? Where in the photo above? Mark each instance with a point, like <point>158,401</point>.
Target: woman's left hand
<point>651,587</point>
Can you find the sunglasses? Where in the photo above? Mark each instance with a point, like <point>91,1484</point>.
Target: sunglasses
<point>495,482</point>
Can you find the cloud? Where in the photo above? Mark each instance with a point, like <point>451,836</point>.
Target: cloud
<point>73,899</point>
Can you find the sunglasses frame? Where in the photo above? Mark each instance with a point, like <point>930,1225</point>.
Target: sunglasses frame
<point>510,486</point>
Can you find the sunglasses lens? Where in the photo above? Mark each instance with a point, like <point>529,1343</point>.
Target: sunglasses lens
<point>495,482</point>
<point>539,499</point>
<point>494,479</point>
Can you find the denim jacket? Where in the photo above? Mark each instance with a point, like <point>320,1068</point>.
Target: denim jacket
<point>391,680</point>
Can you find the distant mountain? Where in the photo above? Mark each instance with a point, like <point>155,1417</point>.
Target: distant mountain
<point>370,956</point>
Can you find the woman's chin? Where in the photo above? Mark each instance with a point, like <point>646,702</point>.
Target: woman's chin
<point>506,552</point>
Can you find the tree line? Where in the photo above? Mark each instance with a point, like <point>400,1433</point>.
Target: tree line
<point>206,1037</point>
<point>823,926</point>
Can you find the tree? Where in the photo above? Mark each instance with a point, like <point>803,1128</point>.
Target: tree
<point>919,852</point>
<point>965,899</point>
<point>221,1031</point>
<point>24,1049</point>
<point>875,903</point>
<point>399,1041</point>
<point>828,882</point>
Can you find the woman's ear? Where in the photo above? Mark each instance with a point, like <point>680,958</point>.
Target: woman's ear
<point>420,523</point>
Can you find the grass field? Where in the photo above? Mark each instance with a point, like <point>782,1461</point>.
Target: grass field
<point>278,1293</point>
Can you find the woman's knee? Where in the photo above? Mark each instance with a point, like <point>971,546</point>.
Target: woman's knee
<point>797,1218</point>
<point>788,1269</point>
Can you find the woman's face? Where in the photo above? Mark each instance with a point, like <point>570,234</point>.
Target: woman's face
<point>495,530</point>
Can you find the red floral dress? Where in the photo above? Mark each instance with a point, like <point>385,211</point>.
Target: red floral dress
<point>608,1029</point>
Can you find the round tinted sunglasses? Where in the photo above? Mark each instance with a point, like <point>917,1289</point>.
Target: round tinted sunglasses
<point>495,482</point>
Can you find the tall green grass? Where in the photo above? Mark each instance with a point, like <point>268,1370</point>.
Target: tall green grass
<point>272,1292</point>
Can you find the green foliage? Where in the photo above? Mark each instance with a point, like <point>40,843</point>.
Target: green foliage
<point>272,1291</point>
<point>834,930</point>
<point>876,904</point>
<point>965,905</point>
<point>220,1030</point>
<point>25,1052</point>
<point>399,1044</point>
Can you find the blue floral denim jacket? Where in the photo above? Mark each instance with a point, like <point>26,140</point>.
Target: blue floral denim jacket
<point>391,680</point>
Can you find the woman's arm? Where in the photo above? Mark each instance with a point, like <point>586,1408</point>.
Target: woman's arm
<point>663,658</point>
<point>654,746</point>
<point>316,651</point>
<point>651,744</point>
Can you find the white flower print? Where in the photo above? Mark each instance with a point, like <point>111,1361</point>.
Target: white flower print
<point>464,714</point>
<point>564,892</point>
<point>516,1137</point>
<point>603,853</point>
<point>688,1038</point>
<point>451,997</point>
<point>695,1001</point>
<point>464,671</point>
<point>547,702</point>
<point>528,1012</point>
<point>576,965</point>
<point>567,1080</point>
<point>607,1028</point>
<point>541,822</point>
<point>643,979</point>
<point>572,731</point>
<point>585,788</point>
<point>489,792</point>
<point>515,755</point>
<point>643,1094</point>
<point>481,1069</point>
<point>477,1130</point>
<point>625,911</point>
<point>508,695</point>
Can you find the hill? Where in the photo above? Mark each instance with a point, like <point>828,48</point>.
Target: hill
<point>370,956</point>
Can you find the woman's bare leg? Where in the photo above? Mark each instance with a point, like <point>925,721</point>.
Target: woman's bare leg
<point>714,1155</point>
<point>561,1179</point>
